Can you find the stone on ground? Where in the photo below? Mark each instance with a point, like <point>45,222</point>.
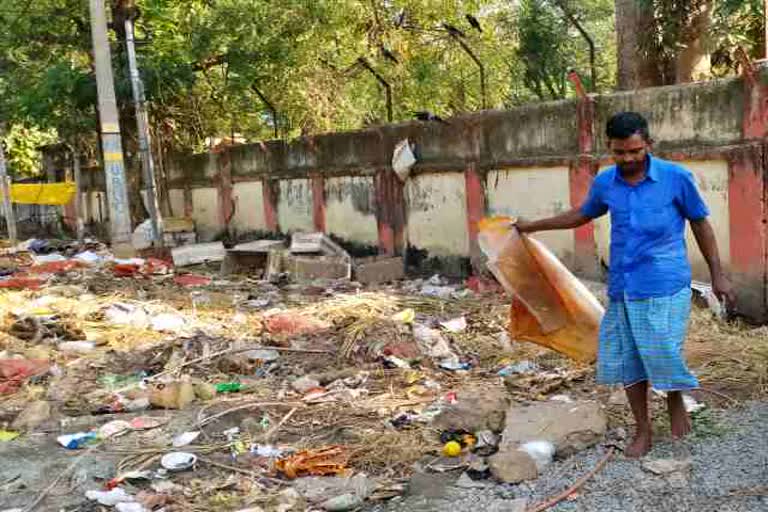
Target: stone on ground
<point>475,409</point>
<point>571,427</point>
<point>513,466</point>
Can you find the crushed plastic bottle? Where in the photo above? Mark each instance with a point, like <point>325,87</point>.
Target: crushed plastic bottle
<point>77,441</point>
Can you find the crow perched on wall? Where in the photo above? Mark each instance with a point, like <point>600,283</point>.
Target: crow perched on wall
<point>453,30</point>
<point>426,115</point>
<point>474,22</point>
<point>388,54</point>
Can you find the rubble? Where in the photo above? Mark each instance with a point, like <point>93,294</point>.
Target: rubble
<point>272,391</point>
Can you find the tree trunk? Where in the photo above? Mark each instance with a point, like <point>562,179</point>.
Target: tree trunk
<point>693,62</point>
<point>638,58</point>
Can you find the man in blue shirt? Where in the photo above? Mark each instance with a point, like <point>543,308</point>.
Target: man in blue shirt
<point>645,325</point>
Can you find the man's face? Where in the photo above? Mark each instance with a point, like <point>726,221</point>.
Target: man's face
<point>630,153</point>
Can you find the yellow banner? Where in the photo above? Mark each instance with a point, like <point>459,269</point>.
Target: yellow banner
<point>43,193</point>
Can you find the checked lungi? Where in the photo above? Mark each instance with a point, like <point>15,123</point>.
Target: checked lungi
<point>643,340</point>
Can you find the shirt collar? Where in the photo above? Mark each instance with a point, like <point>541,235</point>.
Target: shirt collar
<point>652,173</point>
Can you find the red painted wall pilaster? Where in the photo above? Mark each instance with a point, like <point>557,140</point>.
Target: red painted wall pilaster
<point>390,212</point>
<point>269,199</point>
<point>225,189</point>
<point>581,174</point>
<point>747,217</point>
<point>475,197</point>
<point>318,202</point>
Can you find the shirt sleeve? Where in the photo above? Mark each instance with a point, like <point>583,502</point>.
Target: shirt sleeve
<point>691,203</point>
<point>594,206</point>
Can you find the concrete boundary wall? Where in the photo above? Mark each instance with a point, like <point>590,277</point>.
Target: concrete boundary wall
<point>532,161</point>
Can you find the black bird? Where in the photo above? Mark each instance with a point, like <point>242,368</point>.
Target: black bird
<point>400,19</point>
<point>388,54</point>
<point>426,115</point>
<point>453,30</point>
<point>474,22</point>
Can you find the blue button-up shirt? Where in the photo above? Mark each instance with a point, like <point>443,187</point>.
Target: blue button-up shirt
<point>648,252</point>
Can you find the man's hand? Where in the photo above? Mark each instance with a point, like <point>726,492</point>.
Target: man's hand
<point>723,289</point>
<point>568,220</point>
<point>523,225</point>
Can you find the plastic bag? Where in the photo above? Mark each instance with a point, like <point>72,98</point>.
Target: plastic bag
<point>403,159</point>
<point>550,306</point>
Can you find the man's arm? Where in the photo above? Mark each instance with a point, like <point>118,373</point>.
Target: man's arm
<point>705,238</point>
<point>568,220</point>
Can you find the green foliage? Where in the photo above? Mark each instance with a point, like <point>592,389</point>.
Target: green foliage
<point>21,153</point>
<point>213,69</point>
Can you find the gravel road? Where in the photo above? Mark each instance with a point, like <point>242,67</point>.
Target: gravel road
<point>729,473</point>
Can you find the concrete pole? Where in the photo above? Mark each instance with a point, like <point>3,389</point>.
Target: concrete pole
<point>78,195</point>
<point>10,218</point>
<point>114,168</point>
<point>142,127</point>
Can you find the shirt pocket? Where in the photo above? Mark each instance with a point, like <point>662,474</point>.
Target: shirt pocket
<point>654,220</point>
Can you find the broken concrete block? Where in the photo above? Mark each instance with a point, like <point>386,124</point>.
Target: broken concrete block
<point>303,268</point>
<point>512,466</point>
<point>475,409</point>
<point>316,243</point>
<point>377,270</point>
<point>251,257</point>
<point>198,253</point>
<point>571,427</point>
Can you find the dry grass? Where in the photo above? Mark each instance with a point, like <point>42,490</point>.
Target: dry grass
<point>729,357</point>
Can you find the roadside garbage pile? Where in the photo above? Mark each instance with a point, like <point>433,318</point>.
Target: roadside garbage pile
<point>265,377</point>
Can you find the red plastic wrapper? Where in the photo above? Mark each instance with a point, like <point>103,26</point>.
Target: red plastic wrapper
<point>192,280</point>
<point>13,372</point>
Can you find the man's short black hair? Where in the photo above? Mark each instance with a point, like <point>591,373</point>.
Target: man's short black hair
<point>626,124</point>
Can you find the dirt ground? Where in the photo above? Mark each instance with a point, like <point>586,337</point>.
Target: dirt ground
<point>277,379</point>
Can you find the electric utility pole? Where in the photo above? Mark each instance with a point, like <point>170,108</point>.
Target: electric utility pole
<point>114,168</point>
<point>10,218</point>
<point>142,126</point>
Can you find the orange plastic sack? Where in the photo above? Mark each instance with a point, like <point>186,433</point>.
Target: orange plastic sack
<point>550,306</point>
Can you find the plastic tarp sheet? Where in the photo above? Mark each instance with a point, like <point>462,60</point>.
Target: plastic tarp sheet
<point>57,194</point>
<point>550,306</point>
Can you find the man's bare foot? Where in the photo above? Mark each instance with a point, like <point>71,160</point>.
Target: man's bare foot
<point>679,420</point>
<point>640,445</point>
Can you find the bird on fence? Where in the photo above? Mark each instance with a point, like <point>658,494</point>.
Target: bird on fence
<point>388,54</point>
<point>400,19</point>
<point>426,115</point>
<point>453,30</point>
<point>474,22</point>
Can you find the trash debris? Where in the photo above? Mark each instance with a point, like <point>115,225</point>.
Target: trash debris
<point>456,325</point>
<point>8,435</point>
<point>77,441</point>
<point>691,405</point>
<point>403,159</point>
<point>452,449</point>
<point>287,324</point>
<point>229,387</point>
<point>168,322</point>
<point>185,438</point>
<point>330,460</point>
<point>13,372</point>
<point>542,452</point>
<point>77,347</point>
<point>172,395</point>
<point>178,461</point>
<point>516,368</point>
<point>550,306</point>
<point>406,316</point>
<point>192,280</point>
<point>110,498</point>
